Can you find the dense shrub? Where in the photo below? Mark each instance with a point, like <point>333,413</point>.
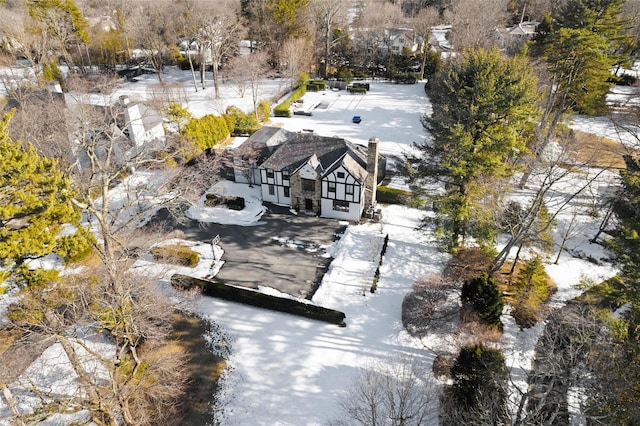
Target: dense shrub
<point>478,394</point>
<point>263,111</point>
<point>478,369</point>
<point>239,122</point>
<point>206,132</point>
<point>282,109</point>
<point>73,248</point>
<point>533,288</point>
<point>344,74</point>
<point>176,254</point>
<point>316,86</point>
<point>235,203</point>
<point>357,90</point>
<point>484,296</point>
<point>388,195</point>
<point>51,71</point>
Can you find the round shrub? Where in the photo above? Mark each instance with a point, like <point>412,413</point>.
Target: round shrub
<point>207,131</point>
<point>478,370</point>
<point>483,294</point>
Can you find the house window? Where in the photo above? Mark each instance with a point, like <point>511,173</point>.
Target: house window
<point>308,185</point>
<point>269,174</point>
<point>285,175</point>
<point>340,206</point>
<point>272,190</point>
<point>340,175</point>
<point>348,189</point>
<point>286,191</point>
<point>332,187</point>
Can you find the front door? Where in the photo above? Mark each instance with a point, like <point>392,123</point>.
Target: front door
<point>308,204</point>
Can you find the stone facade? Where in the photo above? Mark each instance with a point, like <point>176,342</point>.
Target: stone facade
<point>299,196</point>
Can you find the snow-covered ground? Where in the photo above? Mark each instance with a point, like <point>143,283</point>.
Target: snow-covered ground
<point>285,370</point>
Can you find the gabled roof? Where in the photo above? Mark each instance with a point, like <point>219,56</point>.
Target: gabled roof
<point>351,165</point>
<point>300,147</point>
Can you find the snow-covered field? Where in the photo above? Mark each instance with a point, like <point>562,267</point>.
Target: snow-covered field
<point>286,370</point>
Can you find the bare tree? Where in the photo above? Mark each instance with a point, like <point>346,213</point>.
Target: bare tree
<point>248,71</point>
<point>327,15</point>
<point>474,23</point>
<point>422,24</point>
<point>552,174</point>
<point>295,57</point>
<point>139,380</point>
<point>395,393</point>
<point>218,36</point>
<point>154,31</point>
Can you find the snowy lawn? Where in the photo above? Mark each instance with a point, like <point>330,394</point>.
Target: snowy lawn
<point>286,370</point>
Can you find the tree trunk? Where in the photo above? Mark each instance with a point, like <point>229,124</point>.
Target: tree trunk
<point>216,83</point>
<point>193,72</point>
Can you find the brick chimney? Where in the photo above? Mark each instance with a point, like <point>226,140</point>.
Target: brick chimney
<point>372,173</point>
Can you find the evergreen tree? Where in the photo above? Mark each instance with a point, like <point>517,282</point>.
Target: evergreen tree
<point>587,40</point>
<point>478,394</point>
<point>35,201</point>
<point>625,242</point>
<point>477,368</point>
<point>483,294</point>
<point>483,104</point>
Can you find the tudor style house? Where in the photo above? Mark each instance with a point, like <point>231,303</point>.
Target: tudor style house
<point>327,176</point>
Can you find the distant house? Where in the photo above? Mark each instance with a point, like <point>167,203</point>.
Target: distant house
<point>327,176</point>
<point>400,39</point>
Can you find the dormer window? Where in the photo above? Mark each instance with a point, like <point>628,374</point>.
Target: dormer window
<point>269,174</point>
<point>285,175</point>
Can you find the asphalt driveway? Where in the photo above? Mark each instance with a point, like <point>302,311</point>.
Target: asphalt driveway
<point>285,251</point>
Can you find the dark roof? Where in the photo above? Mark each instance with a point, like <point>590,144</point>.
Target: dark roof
<point>301,146</point>
<point>266,140</point>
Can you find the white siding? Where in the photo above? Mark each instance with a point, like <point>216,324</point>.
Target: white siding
<point>308,172</point>
<point>275,182</point>
<point>354,213</point>
<point>341,186</point>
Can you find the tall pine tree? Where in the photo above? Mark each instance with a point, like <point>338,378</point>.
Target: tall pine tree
<point>483,104</point>
<point>35,201</point>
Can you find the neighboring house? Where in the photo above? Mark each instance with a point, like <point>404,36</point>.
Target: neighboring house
<point>142,124</point>
<point>327,176</point>
<point>399,39</point>
<point>513,37</point>
<point>439,40</point>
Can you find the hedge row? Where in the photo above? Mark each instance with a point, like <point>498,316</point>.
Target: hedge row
<point>251,297</point>
<point>316,86</point>
<point>387,195</point>
<point>357,90</point>
<point>282,109</point>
